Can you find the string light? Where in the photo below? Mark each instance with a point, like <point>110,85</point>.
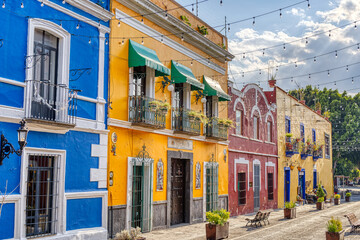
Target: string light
<point>42,3</point>
<point>295,64</point>
<point>228,27</point>
<point>209,61</point>
<point>315,59</point>
<point>3,5</point>
<point>335,83</point>
<point>244,55</point>
<point>352,80</point>
<point>142,19</point>
<point>221,2</point>
<point>328,73</point>
<point>78,25</point>
<point>292,79</point>
<point>355,26</point>
<point>119,23</point>
<point>122,42</point>
<point>63,2</point>
<point>192,7</point>
<point>284,47</point>
<point>22,4</point>
<point>358,47</point>
<point>106,42</point>
<point>280,13</point>
<point>162,39</point>
<point>253,21</point>
<point>306,42</point>
<point>191,63</point>
<point>260,71</point>
<point>60,23</point>
<point>309,75</point>
<point>166,14</point>
<point>308,4</point>
<point>142,41</point>
<point>329,33</point>
<point>347,68</point>
<point>336,55</point>
<point>182,37</point>
<point>243,74</point>
<point>89,40</point>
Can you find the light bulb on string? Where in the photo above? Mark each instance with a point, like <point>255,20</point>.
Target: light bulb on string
<point>162,39</point>
<point>122,42</point>
<point>347,68</point>
<point>142,19</point>
<point>295,64</point>
<point>336,55</point>
<point>328,73</point>
<point>309,76</point>
<point>89,40</point>
<point>209,61</point>
<point>22,4</point>
<point>306,41</point>
<point>308,4</point>
<point>192,7</point>
<point>355,26</point>
<point>221,2</point>
<point>3,5</point>
<point>243,55</point>
<point>280,13</point>
<point>315,59</point>
<point>358,47</point>
<point>335,83</point>
<point>277,68</point>
<point>292,79</point>
<point>99,23</point>
<point>182,37</point>
<point>352,80</point>
<point>243,74</point>
<point>42,3</point>
<point>63,2</point>
<point>263,52</point>
<point>166,14</point>
<point>329,33</point>
<point>106,42</point>
<point>77,26</point>
<point>228,27</point>
<point>253,21</point>
<point>119,23</point>
<point>259,71</point>
<point>284,47</point>
<point>142,40</point>
<point>60,23</point>
<point>191,63</point>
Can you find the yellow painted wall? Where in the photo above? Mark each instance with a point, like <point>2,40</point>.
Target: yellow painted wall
<point>130,141</point>
<point>298,113</point>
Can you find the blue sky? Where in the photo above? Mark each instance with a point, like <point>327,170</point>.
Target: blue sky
<point>296,23</point>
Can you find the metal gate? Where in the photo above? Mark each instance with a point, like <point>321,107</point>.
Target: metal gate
<point>256,187</point>
<point>137,197</point>
<point>178,183</point>
<point>211,186</point>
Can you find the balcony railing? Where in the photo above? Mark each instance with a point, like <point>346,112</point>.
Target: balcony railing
<point>145,114</point>
<point>291,146</point>
<point>51,102</point>
<point>216,130</point>
<point>182,122</point>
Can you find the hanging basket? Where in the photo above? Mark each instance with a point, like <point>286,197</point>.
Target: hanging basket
<point>299,168</point>
<point>291,167</point>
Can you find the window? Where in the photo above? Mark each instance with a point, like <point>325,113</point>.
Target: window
<point>212,175</point>
<point>270,182</point>
<point>287,125</point>
<point>256,127</point>
<point>239,122</point>
<point>143,82</point>
<point>314,135</point>
<point>327,145</point>
<point>269,131</point>
<point>41,196</point>
<point>302,132</point>
<point>242,188</point>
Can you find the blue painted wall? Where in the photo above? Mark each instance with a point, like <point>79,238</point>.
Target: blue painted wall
<point>7,221</point>
<point>83,213</point>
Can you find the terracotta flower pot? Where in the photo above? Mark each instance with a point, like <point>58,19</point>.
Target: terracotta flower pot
<point>337,201</point>
<point>320,205</point>
<point>289,213</point>
<point>215,232</point>
<point>335,236</point>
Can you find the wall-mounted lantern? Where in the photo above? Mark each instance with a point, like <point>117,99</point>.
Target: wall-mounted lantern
<point>7,148</point>
<point>167,82</point>
<point>200,95</point>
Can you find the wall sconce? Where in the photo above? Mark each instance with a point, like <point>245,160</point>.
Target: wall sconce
<point>225,151</point>
<point>111,178</point>
<point>7,148</point>
<point>199,95</point>
<point>167,82</point>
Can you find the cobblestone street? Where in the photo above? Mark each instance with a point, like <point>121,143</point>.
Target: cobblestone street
<point>309,224</point>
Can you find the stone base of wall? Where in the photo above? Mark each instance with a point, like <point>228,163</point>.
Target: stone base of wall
<point>197,210</point>
<point>117,219</point>
<point>223,202</point>
<point>159,215</point>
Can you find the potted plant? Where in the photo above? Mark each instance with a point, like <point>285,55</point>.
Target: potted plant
<point>191,114</point>
<point>337,199</point>
<point>334,230</point>
<point>272,81</point>
<point>320,203</point>
<point>289,210</point>
<point>185,20</point>
<point>218,226</point>
<point>164,107</point>
<point>347,196</point>
<point>133,234</point>
<point>203,30</point>
<point>288,137</point>
<point>154,105</point>
<point>292,167</point>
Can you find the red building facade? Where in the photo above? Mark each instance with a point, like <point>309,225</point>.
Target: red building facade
<point>252,150</point>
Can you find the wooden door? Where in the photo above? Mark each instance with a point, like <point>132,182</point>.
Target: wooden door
<point>178,183</point>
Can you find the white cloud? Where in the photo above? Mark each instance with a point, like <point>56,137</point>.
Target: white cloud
<point>348,10</point>
<point>299,12</point>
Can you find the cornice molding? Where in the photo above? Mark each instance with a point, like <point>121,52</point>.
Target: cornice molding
<point>91,8</point>
<point>174,26</point>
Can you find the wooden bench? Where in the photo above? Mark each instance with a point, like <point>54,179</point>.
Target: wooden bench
<point>354,222</point>
<point>259,217</point>
<point>266,217</point>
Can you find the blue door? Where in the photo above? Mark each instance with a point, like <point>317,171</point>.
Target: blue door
<point>302,183</point>
<point>315,179</point>
<point>287,185</point>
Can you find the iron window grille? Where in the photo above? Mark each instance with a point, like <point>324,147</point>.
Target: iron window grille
<point>270,186</point>
<point>327,146</point>
<point>242,188</point>
<point>212,176</point>
<point>42,195</point>
<point>239,122</point>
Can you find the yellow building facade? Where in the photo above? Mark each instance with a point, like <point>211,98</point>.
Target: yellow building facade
<point>167,165</point>
<point>304,149</point>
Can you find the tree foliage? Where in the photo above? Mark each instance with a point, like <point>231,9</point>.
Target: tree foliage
<point>343,111</point>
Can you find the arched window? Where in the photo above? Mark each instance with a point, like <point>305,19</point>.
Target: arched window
<point>239,122</point>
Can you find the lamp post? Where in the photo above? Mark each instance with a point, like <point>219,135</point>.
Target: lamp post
<point>7,148</point>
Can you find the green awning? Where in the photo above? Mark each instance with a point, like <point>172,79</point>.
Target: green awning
<point>183,74</point>
<point>143,56</point>
<point>213,88</point>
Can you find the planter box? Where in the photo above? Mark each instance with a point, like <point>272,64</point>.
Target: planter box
<point>215,232</point>
<point>337,201</point>
<point>347,199</point>
<point>335,236</point>
<point>289,213</point>
<point>320,205</point>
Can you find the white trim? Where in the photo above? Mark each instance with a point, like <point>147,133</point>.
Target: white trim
<point>16,199</point>
<point>91,8</point>
<point>239,100</point>
<point>250,86</point>
<point>61,210</point>
<point>204,190</point>
<point>270,143</point>
<point>75,15</point>
<point>87,99</point>
<point>253,153</point>
<point>12,82</point>
<point>270,164</point>
<point>239,136</point>
<point>257,162</point>
<point>143,28</point>
<point>101,151</point>
<point>269,114</point>
<point>256,108</point>
<point>241,161</point>
<point>167,132</point>
<point>256,140</point>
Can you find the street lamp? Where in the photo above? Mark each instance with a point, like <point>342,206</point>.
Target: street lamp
<point>7,148</point>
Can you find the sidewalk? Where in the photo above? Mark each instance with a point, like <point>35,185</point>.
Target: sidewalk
<point>309,224</point>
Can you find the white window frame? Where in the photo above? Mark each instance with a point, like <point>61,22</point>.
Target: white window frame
<point>239,124</point>
<point>63,59</point>
<point>256,127</point>
<point>269,126</point>
<point>60,176</point>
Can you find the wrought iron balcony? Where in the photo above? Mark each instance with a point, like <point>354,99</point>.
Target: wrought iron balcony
<point>216,130</point>
<point>291,146</point>
<point>183,123</point>
<point>143,112</point>
<point>51,103</point>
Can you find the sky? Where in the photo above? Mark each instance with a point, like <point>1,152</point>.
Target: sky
<point>295,24</point>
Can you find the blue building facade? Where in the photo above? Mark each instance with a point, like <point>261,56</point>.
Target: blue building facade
<point>54,74</point>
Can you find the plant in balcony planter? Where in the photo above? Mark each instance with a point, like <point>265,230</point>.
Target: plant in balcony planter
<point>202,118</point>
<point>289,210</point>
<point>185,20</point>
<point>337,199</point>
<point>347,196</point>
<point>154,105</point>
<point>133,234</point>
<point>164,107</point>
<point>218,226</point>
<point>192,114</point>
<point>203,30</point>
<point>334,230</point>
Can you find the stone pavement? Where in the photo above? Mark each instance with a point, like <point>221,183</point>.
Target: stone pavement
<point>309,224</point>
